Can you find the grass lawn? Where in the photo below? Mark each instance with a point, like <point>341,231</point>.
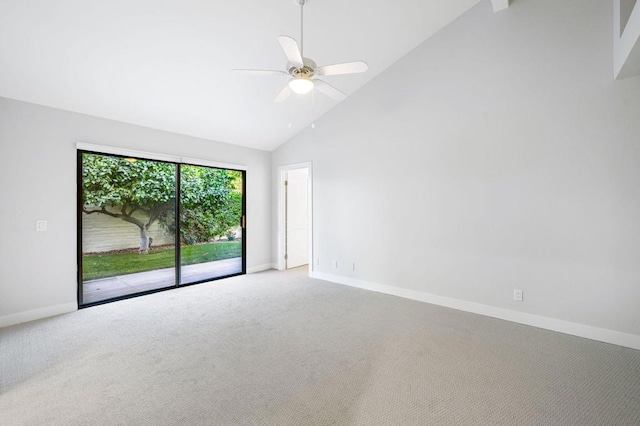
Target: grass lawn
<point>108,265</point>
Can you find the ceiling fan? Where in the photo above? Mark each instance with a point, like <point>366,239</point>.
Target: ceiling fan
<point>303,70</point>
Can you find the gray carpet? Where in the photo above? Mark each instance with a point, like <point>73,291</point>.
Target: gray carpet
<point>283,349</point>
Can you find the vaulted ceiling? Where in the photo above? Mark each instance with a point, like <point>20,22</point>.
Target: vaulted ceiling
<point>167,64</point>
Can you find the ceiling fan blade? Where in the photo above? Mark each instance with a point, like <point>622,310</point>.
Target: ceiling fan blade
<point>283,95</point>
<point>345,68</point>
<point>259,72</point>
<point>329,90</point>
<point>291,50</point>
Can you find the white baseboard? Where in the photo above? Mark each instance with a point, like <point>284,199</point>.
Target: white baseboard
<point>50,311</point>
<point>260,268</point>
<point>567,327</point>
<point>36,314</point>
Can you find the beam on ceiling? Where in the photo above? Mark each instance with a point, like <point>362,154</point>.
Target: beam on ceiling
<point>626,46</point>
<point>499,5</point>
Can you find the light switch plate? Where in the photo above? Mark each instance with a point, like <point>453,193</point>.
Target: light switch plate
<point>517,294</point>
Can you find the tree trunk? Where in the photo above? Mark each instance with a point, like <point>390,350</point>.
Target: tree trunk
<point>144,240</point>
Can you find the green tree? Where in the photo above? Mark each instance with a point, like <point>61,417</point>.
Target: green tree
<point>120,188</point>
<point>211,203</point>
<point>129,189</point>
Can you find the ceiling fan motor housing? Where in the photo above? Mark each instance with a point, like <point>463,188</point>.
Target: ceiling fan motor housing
<point>308,70</point>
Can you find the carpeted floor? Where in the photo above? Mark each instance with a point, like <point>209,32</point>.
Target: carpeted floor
<point>279,348</point>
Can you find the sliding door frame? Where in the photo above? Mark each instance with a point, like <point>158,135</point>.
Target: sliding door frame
<point>83,148</point>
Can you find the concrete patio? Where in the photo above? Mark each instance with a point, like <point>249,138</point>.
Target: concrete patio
<point>107,288</point>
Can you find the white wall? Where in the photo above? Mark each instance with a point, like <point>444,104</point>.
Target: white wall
<point>38,175</point>
<point>507,149</point>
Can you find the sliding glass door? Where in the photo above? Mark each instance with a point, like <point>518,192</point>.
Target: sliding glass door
<point>210,223</point>
<point>147,225</point>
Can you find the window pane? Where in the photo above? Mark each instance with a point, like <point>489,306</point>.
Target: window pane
<point>128,226</point>
<point>211,237</point>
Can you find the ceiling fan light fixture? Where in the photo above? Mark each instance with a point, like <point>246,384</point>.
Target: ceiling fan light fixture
<point>301,85</point>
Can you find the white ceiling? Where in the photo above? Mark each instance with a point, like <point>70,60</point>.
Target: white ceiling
<point>166,64</point>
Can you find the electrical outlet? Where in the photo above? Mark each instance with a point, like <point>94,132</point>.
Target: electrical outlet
<point>41,225</point>
<point>517,294</point>
<point>354,266</point>
<point>335,264</point>
<point>318,261</point>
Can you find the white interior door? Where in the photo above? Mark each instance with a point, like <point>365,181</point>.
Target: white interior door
<point>297,218</point>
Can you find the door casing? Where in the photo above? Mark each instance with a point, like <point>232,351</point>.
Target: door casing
<point>282,174</point>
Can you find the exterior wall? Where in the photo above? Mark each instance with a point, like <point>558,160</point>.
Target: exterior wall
<point>102,233</point>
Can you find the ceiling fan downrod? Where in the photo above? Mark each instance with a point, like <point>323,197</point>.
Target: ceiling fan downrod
<point>302,2</point>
